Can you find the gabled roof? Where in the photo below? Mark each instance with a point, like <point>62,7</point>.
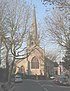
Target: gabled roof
<point>39,49</point>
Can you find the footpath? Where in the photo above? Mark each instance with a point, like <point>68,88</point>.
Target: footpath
<point>8,86</point>
<point>0,86</point>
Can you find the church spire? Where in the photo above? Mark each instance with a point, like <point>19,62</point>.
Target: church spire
<point>33,36</point>
<point>34,24</point>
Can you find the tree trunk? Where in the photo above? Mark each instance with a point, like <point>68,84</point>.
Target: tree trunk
<point>11,69</point>
<point>7,65</point>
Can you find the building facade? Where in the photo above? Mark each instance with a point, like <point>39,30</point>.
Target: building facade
<point>34,63</point>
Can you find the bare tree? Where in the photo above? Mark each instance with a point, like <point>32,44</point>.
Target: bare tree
<point>59,28</point>
<point>14,29</point>
<point>58,25</point>
<point>52,56</point>
<point>59,3</point>
<point>17,26</point>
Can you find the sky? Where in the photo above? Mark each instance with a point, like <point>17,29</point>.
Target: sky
<point>40,9</point>
<point>41,12</point>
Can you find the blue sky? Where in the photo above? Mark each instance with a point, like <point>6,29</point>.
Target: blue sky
<point>41,10</point>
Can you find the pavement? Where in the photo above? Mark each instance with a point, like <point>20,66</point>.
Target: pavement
<point>9,87</point>
<point>0,86</point>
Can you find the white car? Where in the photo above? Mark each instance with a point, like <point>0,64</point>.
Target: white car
<point>18,78</point>
<point>52,77</point>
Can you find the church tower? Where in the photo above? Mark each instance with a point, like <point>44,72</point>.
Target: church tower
<point>34,63</point>
<point>33,36</point>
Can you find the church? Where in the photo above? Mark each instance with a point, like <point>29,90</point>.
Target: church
<point>34,63</point>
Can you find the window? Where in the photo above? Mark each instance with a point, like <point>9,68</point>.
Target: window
<point>21,69</point>
<point>34,63</point>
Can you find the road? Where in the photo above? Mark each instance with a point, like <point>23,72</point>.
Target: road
<point>50,86</point>
<point>27,85</point>
<point>38,85</point>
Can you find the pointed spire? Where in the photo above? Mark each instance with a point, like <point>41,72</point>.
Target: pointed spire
<point>33,36</point>
<point>34,24</point>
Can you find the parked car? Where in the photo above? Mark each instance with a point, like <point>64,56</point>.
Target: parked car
<point>64,81</point>
<point>18,78</point>
<point>60,80</point>
<point>52,77</point>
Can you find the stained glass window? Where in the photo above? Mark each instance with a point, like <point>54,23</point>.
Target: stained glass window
<point>34,63</point>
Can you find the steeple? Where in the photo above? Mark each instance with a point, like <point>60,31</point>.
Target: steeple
<point>33,36</point>
<point>34,25</point>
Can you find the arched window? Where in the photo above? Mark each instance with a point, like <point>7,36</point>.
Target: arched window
<point>21,69</point>
<point>34,63</point>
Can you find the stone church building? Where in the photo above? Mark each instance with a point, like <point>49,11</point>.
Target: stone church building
<point>34,63</point>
